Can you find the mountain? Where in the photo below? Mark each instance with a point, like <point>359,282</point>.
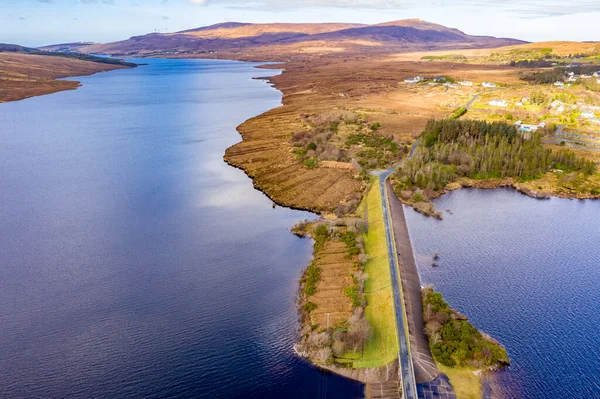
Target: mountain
<point>287,39</point>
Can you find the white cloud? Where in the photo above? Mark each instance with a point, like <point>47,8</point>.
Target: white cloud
<point>536,8</point>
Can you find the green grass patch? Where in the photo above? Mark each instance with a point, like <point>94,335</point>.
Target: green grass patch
<point>445,57</point>
<point>466,383</point>
<point>382,347</point>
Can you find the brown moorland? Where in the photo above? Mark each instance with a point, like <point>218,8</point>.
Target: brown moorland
<point>333,306</point>
<point>25,75</point>
<point>371,87</point>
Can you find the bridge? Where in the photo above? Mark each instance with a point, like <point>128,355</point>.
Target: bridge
<point>418,375</point>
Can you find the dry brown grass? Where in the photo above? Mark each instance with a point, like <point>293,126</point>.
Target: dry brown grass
<point>333,306</point>
<point>370,87</point>
<point>23,76</point>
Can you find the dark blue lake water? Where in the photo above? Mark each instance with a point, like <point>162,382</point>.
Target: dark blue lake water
<point>528,273</point>
<point>133,261</point>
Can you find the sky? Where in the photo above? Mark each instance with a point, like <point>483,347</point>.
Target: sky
<point>40,22</point>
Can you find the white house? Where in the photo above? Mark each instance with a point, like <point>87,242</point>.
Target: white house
<point>559,84</point>
<point>498,103</point>
<point>488,84</point>
<point>414,80</point>
<point>598,81</point>
<point>588,114</point>
<point>584,76</point>
<point>528,127</point>
<point>572,78</point>
<point>596,74</point>
<point>465,83</point>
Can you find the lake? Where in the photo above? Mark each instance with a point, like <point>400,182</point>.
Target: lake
<point>135,262</point>
<point>526,272</point>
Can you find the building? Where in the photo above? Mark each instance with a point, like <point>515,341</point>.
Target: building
<point>416,79</point>
<point>465,83</point>
<point>489,84</point>
<point>588,114</point>
<point>498,103</point>
<point>559,84</point>
<point>528,127</point>
<point>596,74</point>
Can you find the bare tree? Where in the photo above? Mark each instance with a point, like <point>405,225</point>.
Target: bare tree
<point>324,355</point>
<point>338,348</point>
<point>318,340</point>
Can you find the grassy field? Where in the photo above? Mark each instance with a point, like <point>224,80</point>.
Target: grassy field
<point>382,348</point>
<point>466,383</point>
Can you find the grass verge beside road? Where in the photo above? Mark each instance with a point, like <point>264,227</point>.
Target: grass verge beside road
<point>466,382</point>
<point>382,347</point>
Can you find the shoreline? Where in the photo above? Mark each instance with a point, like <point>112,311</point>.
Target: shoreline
<point>272,193</point>
<point>494,184</point>
<point>44,75</point>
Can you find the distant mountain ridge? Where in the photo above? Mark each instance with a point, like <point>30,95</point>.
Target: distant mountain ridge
<point>290,38</point>
<point>66,46</point>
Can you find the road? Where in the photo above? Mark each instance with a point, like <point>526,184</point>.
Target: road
<point>407,375</point>
<point>476,96</point>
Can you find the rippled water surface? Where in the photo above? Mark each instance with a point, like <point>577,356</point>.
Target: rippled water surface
<point>133,261</point>
<point>528,273</point>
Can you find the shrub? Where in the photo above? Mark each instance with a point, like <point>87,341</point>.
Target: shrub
<point>309,307</point>
<point>311,162</point>
<point>311,277</point>
<point>375,126</point>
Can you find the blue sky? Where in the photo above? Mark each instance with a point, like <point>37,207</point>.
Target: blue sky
<point>38,22</point>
